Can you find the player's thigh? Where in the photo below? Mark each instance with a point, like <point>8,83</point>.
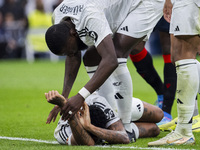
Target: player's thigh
<point>123,44</point>
<point>137,25</point>
<point>151,113</point>
<point>138,48</point>
<point>185,30</point>
<point>184,47</point>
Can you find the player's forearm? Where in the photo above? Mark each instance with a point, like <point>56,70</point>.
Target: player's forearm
<point>80,135</point>
<point>72,65</point>
<point>107,65</point>
<point>111,136</point>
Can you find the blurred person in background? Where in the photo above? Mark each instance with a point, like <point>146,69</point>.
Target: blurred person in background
<point>39,20</point>
<point>13,27</point>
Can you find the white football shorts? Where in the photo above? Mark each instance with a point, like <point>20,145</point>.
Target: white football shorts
<point>137,109</point>
<point>141,21</point>
<point>185,19</point>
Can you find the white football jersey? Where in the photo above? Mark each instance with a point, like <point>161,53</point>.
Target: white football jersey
<point>63,131</point>
<point>94,19</point>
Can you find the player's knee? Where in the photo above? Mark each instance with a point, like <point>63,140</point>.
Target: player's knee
<point>155,131</point>
<point>159,114</point>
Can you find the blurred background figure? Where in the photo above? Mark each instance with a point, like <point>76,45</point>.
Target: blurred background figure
<point>13,28</point>
<point>39,20</point>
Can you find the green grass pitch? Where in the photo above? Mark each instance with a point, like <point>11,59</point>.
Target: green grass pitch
<point>23,108</point>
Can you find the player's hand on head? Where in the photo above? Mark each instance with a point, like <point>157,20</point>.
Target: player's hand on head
<point>53,114</point>
<point>167,10</point>
<point>72,107</point>
<point>84,116</point>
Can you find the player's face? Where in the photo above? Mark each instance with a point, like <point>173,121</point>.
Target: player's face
<point>73,42</point>
<point>72,46</point>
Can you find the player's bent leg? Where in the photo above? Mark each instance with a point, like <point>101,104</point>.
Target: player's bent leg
<point>151,113</point>
<point>143,62</point>
<point>184,54</point>
<point>147,129</point>
<point>187,82</point>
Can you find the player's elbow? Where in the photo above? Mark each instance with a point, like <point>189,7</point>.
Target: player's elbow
<point>90,143</point>
<point>125,139</point>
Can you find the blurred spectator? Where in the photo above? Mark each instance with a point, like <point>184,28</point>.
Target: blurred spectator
<point>39,20</point>
<point>13,26</point>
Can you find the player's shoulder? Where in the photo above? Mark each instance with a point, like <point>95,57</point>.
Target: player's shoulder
<point>95,98</point>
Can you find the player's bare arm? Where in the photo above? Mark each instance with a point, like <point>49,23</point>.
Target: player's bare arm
<point>80,135</point>
<point>58,100</point>
<point>167,10</point>
<point>53,114</point>
<point>114,135</point>
<point>107,65</point>
<point>72,65</point>
<point>55,98</point>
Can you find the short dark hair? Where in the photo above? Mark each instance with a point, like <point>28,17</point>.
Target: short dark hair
<point>97,116</point>
<point>56,36</point>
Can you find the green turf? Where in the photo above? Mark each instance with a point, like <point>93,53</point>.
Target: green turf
<point>23,108</point>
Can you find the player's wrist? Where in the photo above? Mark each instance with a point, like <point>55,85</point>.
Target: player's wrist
<point>89,127</point>
<point>84,93</point>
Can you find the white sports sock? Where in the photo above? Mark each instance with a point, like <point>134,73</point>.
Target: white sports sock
<point>196,111</point>
<point>123,91</point>
<point>198,68</point>
<point>107,90</point>
<point>187,88</point>
<point>118,91</point>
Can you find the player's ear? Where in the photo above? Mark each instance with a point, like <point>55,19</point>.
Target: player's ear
<point>73,32</point>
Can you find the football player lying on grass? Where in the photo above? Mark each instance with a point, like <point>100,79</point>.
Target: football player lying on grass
<point>97,122</point>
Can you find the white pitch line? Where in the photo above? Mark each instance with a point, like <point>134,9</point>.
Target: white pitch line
<point>117,147</point>
<point>142,148</point>
<point>27,139</point>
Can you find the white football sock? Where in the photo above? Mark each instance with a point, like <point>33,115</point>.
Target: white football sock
<point>187,88</point>
<point>123,91</point>
<point>198,68</point>
<point>118,91</point>
<point>196,110</point>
